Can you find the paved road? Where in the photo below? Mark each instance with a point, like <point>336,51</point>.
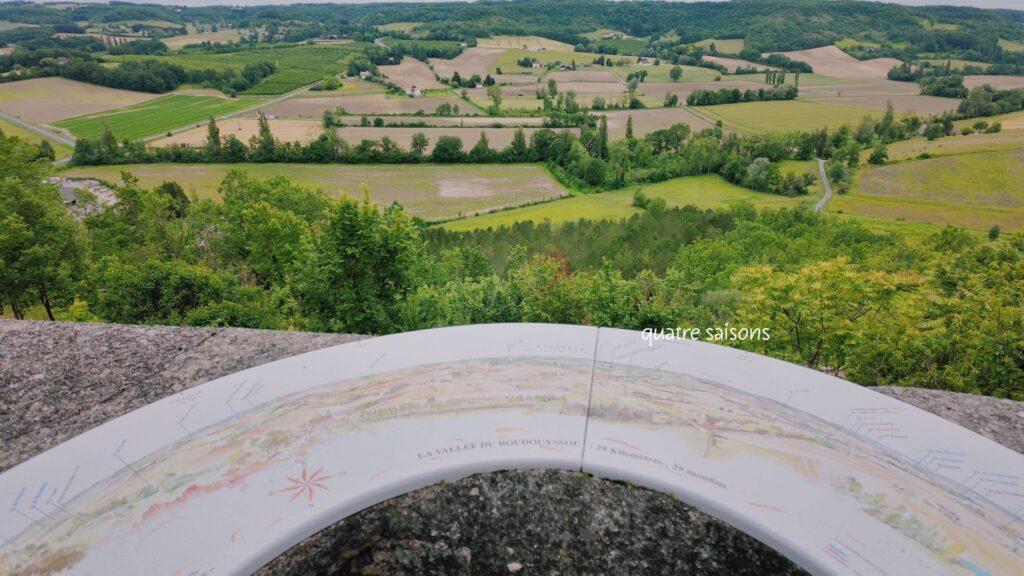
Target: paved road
<point>38,129</point>
<point>828,186</point>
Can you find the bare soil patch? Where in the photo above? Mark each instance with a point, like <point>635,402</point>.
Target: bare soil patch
<point>246,128</point>
<point>831,61</point>
<point>997,82</point>
<point>365,104</point>
<point>584,76</point>
<point>411,73</point>
<point>882,88</point>
<point>471,61</point>
<point>524,43</point>
<point>651,119</point>
<point>45,100</point>
<point>592,87</point>
<point>925,105</point>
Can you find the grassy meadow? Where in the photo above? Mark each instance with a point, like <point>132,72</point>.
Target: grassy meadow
<point>702,191</point>
<point>785,116</point>
<point>972,190</point>
<point>154,117</point>
<point>430,191</point>
<point>733,46</point>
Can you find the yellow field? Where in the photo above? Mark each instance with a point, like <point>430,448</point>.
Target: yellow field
<point>224,35</point>
<point>1011,46</point>
<point>723,46</point>
<point>406,27</point>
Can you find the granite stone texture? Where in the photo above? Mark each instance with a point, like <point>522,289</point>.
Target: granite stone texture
<point>58,380</point>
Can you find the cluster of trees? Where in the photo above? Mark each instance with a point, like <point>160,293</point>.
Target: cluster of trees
<point>158,77</point>
<point>987,101</point>
<point>472,82</point>
<point>734,95</point>
<point>948,86</point>
<point>270,254</point>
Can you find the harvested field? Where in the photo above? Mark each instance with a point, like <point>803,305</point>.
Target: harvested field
<point>997,82</point>
<point>470,61</point>
<point>831,61</point>
<point>651,119</point>
<point>878,88</point>
<point>6,50</point>
<point>5,25</point>
<point>245,128</point>
<point>921,105</point>
<point>223,35</point>
<point>592,87</point>
<point>411,73</point>
<point>595,75</point>
<point>366,104</point>
<point>430,191</point>
<point>468,121</point>
<point>731,64</point>
<point>514,79</point>
<point>523,43</point>
<point>308,130</point>
<point>786,116</point>
<point>46,100</point>
<point>498,137</point>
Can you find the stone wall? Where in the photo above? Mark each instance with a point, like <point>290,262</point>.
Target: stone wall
<point>58,380</point>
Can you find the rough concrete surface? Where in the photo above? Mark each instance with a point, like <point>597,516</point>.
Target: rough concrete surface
<point>58,380</point>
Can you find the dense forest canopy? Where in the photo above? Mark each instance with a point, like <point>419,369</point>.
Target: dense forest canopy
<point>766,25</point>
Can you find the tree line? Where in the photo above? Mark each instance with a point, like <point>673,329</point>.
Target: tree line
<point>271,254</point>
<point>734,95</point>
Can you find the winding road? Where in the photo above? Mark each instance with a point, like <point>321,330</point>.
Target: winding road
<point>828,187</point>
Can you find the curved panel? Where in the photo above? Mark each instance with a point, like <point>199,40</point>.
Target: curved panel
<point>220,478</point>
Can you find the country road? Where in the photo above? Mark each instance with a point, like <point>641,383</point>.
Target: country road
<point>825,182</point>
<point>37,129</point>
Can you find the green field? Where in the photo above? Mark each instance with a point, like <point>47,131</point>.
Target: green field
<point>701,191</point>
<point>11,129</point>
<point>154,117</point>
<point>785,116</point>
<point>847,43</point>
<point>955,145</point>
<point>431,191</point>
<point>507,61</point>
<point>660,73</point>
<point>723,46</point>
<point>406,27</point>
<point>973,190</point>
<point>297,66</point>
<point>624,45</point>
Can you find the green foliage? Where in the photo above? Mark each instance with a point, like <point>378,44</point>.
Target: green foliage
<point>42,252</point>
<point>359,266</point>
